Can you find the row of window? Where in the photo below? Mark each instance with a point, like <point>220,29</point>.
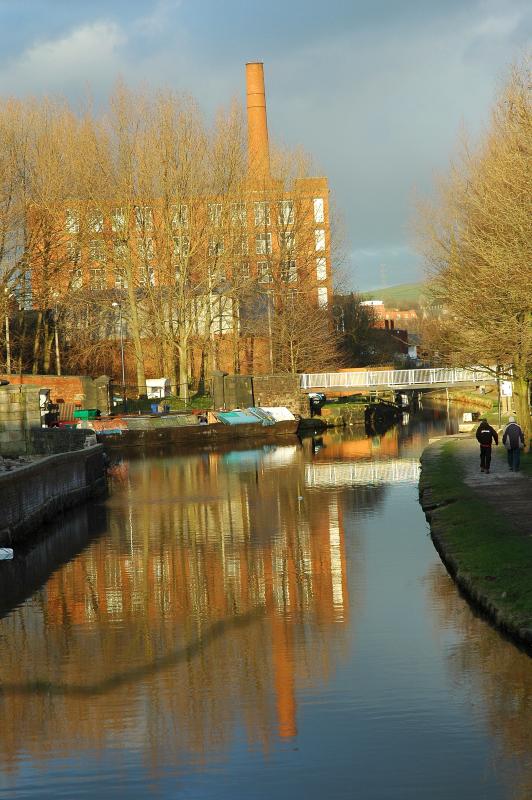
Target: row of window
<point>143,216</point>
<point>98,275</point>
<point>181,247</point>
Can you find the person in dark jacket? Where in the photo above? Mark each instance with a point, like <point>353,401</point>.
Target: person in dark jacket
<point>513,439</point>
<point>485,436</point>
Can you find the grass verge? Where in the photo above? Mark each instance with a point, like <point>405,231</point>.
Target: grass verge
<point>489,560</point>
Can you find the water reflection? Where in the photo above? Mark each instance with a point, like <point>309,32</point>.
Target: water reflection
<point>483,662</point>
<point>219,588</point>
<point>226,610</point>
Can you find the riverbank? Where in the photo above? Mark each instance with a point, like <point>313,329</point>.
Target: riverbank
<point>467,399</point>
<point>481,527</point>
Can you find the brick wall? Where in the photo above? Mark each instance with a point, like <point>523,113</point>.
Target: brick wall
<point>78,389</point>
<point>34,494</point>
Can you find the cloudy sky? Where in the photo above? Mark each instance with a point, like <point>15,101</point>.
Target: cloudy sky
<point>376,90</point>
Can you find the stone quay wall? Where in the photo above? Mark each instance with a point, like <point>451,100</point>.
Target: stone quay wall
<point>34,494</point>
<point>280,390</point>
<point>19,413</point>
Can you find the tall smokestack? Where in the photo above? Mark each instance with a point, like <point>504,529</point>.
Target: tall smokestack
<point>258,147</point>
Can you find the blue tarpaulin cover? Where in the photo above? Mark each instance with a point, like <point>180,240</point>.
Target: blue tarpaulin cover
<point>238,417</point>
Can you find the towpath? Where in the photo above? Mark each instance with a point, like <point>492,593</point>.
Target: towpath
<point>510,493</point>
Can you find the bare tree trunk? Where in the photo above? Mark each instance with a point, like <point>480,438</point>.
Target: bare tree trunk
<point>47,346</point>
<point>183,369</point>
<point>36,344</point>
<point>521,394</point>
<point>136,339</point>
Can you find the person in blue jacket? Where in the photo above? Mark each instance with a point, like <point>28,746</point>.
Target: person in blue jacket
<point>513,439</point>
<point>485,436</point>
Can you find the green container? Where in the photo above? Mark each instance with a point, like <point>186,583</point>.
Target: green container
<point>86,413</point>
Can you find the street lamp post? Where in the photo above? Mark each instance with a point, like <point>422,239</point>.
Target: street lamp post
<point>55,295</point>
<point>118,305</point>
<point>8,337</point>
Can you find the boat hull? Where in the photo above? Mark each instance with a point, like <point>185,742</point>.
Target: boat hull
<point>191,435</point>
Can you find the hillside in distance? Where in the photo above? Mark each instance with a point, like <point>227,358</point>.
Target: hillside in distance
<point>404,295</point>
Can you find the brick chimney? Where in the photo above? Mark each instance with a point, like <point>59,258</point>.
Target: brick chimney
<point>258,147</point>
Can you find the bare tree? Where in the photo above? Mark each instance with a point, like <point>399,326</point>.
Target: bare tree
<point>477,240</point>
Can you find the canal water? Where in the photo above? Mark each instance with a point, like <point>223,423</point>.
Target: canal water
<point>270,622</point>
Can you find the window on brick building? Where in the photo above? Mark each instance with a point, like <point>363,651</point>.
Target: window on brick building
<point>288,241</point>
<point>76,279</point>
<point>118,220</point>
<point>321,269</point>
<point>72,221</point>
<point>215,214</point>
<point>97,278</point>
<point>147,276</point>
<point>96,221</point>
<point>238,214</point>
<point>319,236</point>
<point>120,250</point>
<point>181,246</point>
<point>262,214</point>
<point>323,297</point>
<point>216,246</point>
<point>286,212</point>
<point>289,271</point>
<point>263,244</point>
<point>120,278</point>
<point>180,216</point>
<point>221,308</point>
<point>241,270</point>
<point>319,211</point>
<point>144,218</point>
<point>97,250</point>
<point>264,271</point>
<point>73,252</point>
<point>146,249</point>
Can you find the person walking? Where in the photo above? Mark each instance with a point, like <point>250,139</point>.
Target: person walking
<point>513,439</point>
<point>485,436</point>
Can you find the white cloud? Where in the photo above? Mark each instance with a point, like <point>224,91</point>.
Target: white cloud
<point>88,54</point>
<point>499,26</point>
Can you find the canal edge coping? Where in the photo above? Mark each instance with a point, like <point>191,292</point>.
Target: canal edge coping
<point>34,494</point>
<point>522,636</point>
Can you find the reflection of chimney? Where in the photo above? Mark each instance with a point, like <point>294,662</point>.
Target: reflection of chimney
<point>283,660</point>
<point>258,148</point>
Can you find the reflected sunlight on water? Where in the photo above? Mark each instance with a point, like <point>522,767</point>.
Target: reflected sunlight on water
<point>231,624</point>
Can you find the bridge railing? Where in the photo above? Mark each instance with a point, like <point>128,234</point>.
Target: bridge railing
<point>444,376</point>
<point>397,470</point>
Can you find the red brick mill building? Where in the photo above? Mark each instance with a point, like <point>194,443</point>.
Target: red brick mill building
<point>274,238</point>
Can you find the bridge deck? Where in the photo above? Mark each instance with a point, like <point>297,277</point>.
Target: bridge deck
<point>395,379</point>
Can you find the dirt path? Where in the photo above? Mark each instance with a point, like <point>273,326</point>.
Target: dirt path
<point>510,493</point>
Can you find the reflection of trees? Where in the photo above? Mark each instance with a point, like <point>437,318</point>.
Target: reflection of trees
<point>498,670</point>
<point>215,594</point>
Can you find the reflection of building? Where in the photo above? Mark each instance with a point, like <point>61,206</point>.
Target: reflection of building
<point>217,589</point>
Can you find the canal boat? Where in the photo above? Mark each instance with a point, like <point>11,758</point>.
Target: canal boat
<point>261,424</point>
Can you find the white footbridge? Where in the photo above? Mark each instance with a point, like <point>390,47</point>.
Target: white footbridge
<point>440,377</point>
<point>338,474</point>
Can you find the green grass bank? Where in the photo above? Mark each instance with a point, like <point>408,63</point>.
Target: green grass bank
<point>488,558</point>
